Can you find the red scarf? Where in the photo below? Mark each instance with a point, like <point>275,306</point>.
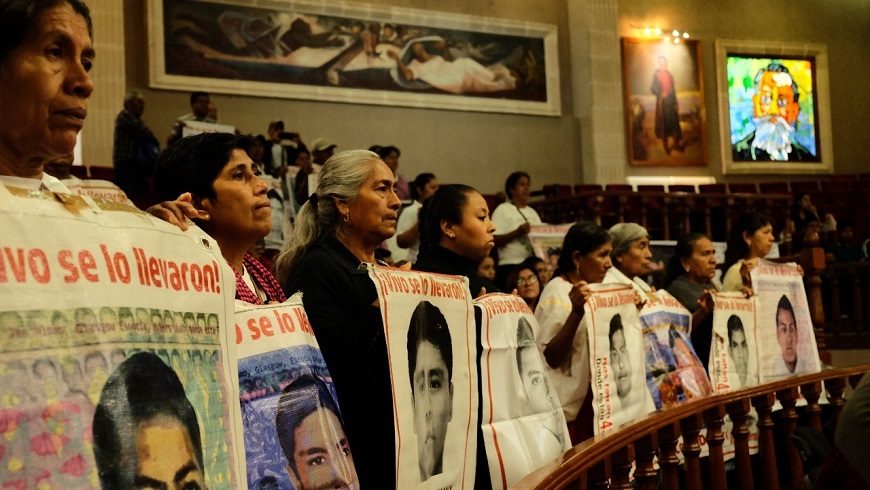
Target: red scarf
<point>262,278</point>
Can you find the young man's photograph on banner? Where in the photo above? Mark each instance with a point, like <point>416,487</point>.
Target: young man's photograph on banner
<point>734,350</point>
<point>616,358</point>
<point>787,342</point>
<point>522,420</point>
<point>674,374</point>
<point>293,433</point>
<point>115,371</point>
<point>432,346</point>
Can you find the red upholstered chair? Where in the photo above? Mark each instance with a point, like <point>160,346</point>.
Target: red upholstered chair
<point>774,187</point>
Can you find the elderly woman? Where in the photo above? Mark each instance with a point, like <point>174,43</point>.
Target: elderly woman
<point>585,259</point>
<point>631,256</point>
<point>751,239</point>
<point>338,228</point>
<point>456,234</point>
<point>690,276</point>
<point>46,54</point>
<point>226,190</point>
<point>513,220</point>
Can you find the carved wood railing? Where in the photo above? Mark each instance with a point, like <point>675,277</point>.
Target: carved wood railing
<point>605,461</point>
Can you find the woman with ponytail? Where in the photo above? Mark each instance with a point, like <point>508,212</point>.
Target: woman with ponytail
<point>456,234</point>
<point>337,229</point>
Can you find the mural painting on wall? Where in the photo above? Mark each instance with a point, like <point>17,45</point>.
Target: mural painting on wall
<point>773,107</point>
<point>664,102</point>
<point>355,53</point>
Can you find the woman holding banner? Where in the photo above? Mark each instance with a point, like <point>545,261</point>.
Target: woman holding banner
<point>585,259</point>
<point>751,239</point>
<point>338,229</point>
<point>231,203</point>
<point>631,257</point>
<point>455,235</point>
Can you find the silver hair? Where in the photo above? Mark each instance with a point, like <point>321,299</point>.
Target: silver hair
<point>341,179</point>
<point>624,235</point>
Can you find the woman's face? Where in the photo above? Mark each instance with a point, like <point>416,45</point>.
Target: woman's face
<point>240,208</point>
<point>635,261</point>
<point>303,160</point>
<point>593,266</point>
<point>528,286</point>
<point>44,90</point>
<point>760,242</point>
<point>701,266</point>
<point>472,237</point>
<point>520,191</point>
<point>486,268</point>
<point>373,214</point>
<point>428,189</point>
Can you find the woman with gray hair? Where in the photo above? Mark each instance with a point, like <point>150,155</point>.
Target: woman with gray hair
<point>337,229</point>
<point>631,256</point>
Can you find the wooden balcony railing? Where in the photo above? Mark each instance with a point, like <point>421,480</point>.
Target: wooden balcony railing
<point>605,461</point>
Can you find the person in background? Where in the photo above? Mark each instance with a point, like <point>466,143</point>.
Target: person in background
<point>513,220</point>
<point>199,109</point>
<point>135,149</point>
<point>44,90</point>
<point>322,150</point>
<point>408,231</point>
<point>585,259</point>
<point>338,228</point>
<point>486,269</point>
<point>300,158</point>
<point>541,268</point>
<point>225,188</point>
<point>751,239</point>
<point>390,155</point>
<point>631,257</point>
<point>525,281</point>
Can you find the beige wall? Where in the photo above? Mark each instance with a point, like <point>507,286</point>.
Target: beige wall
<point>479,149</point>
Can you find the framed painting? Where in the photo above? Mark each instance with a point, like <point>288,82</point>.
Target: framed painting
<point>665,119</point>
<point>355,53</point>
<point>774,110</point>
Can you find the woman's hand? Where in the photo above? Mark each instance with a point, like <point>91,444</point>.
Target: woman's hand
<point>705,302</point>
<point>745,268</point>
<point>178,211</point>
<point>579,294</point>
<point>523,229</point>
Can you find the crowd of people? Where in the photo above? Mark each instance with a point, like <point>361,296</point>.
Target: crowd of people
<point>334,212</point>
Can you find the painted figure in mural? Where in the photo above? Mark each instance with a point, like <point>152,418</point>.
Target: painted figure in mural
<point>775,113</point>
<point>667,108</point>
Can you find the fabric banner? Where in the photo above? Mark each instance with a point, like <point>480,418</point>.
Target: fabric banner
<point>734,349</point>
<point>522,420</point>
<point>293,435</point>
<point>432,345</point>
<point>784,329</point>
<point>616,352</point>
<point>547,237</point>
<point>102,189</point>
<point>113,363</point>
<point>674,374</point>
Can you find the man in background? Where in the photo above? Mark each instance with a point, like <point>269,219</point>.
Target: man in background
<point>135,149</point>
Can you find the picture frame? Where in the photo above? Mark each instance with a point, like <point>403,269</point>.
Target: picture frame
<point>347,52</point>
<point>758,112</point>
<point>665,113</point>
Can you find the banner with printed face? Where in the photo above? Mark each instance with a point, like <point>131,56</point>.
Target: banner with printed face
<point>616,356</point>
<point>522,420</point>
<point>674,374</point>
<point>112,361</point>
<point>734,349</point>
<point>293,434</point>
<point>784,330</point>
<point>432,345</point>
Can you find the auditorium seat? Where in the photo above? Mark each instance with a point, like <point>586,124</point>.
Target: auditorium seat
<point>79,171</point>
<point>101,173</point>
<point>578,188</point>
<point>689,189</point>
<point>810,187</point>
<point>743,188</point>
<point>773,187</point>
